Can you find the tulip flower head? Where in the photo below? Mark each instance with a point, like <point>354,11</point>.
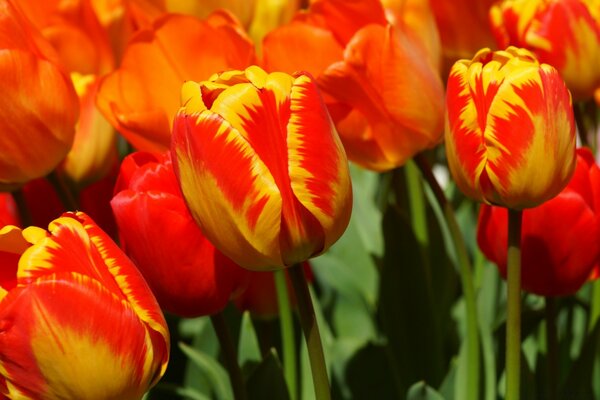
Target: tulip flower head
<point>188,276</point>
<point>562,33</point>
<point>510,134</point>
<point>77,320</point>
<point>261,167</point>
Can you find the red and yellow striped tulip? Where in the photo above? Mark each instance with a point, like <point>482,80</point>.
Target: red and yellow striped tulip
<point>77,320</point>
<point>510,135</point>
<point>38,105</point>
<point>562,33</point>
<point>261,167</point>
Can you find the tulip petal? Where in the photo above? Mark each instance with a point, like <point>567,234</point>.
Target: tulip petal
<point>205,147</point>
<point>74,337</point>
<point>75,244</point>
<point>317,163</point>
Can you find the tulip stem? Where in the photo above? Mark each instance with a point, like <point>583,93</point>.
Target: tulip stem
<point>308,321</point>
<point>552,348</point>
<point>595,305</point>
<point>229,355</point>
<point>24,214</point>
<point>513,312</point>
<point>466,277</point>
<point>286,324</point>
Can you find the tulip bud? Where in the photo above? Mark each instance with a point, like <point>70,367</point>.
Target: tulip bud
<point>188,276</point>
<point>77,320</point>
<point>261,167</point>
<point>38,105</point>
<point>560,238</point>
<point>510,135</point>
<point>562,33</point>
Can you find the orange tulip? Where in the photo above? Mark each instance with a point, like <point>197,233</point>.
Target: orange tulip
<point>510,135</point>
<point>261,167</point>
<point>562,33</point>
<point>361,62</point>
<point>38,106</point>
<point>141,98</point>
<point>77,320</point>
<point>388,123</point>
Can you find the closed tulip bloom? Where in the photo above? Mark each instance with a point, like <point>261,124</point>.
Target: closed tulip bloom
<point>38,106</point>
<point>560,238</point>
<point>510,135</point>
<point>188,276</point>
<point>261,167</point>
<point>562,33</point>
<point>77,320</point>
<point>174,49</point>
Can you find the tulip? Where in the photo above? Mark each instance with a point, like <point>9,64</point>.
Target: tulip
<point>261,167</point>
<point>360,63</point>
<point>77,320</point>
<point>562,33</point>
<point>510,135</point>
<point>38,106</point>
<point>560,238</point>
<point>188,276</point>
<point>142,96</point>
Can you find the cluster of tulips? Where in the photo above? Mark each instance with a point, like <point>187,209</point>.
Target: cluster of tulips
<point>179,156</point>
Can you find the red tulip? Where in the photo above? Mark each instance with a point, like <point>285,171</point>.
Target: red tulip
<point>560,239</point>
<point>186,273</point>
<point>77,320</point>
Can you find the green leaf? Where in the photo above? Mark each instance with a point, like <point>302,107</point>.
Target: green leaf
<point>408,308</point>
<point>579,380</point>
<point>249,349</point>
<point>211,369</point>
<point>267,380</point>
<point>420,391</point>
<point>369,374</point>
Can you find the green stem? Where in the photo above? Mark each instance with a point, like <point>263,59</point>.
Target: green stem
<point>466,277</point>
<point>595,305</point>
<point>229,354</point>
<point>552,348</point>
<point>308,321</point>
<point>513,312</point>
<point>22,209</point>
<point>287,333</point>
<point>417,203</point>
<point>67,197</point>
